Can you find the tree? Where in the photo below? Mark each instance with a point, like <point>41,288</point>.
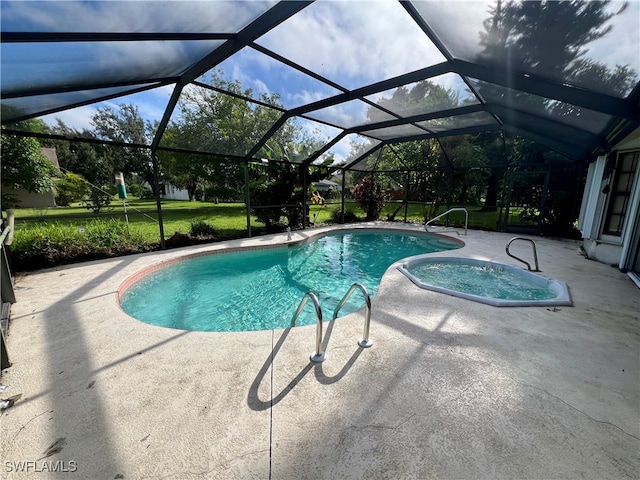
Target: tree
<point>533,36</point>
<point>23,163</point>
<point>443,171</point>
<point>93,161</point>
<point>125,125</point>
<point>71,188</point>
<point>274,196</point>
<point>371,196</point>
<point>224,125</point>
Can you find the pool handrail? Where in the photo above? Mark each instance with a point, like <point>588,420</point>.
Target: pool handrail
<point>317,356</point>
<point>364,342</point>
<point>535,253</point>
<point>456,209</point>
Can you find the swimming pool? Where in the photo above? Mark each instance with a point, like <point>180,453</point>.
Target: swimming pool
<point>259,289</point>
<point>487,282</point>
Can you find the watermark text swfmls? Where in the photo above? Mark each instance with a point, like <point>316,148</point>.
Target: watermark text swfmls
<point>44,466</point>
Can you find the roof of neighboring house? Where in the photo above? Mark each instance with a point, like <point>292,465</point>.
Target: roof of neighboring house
<point>51,154</point>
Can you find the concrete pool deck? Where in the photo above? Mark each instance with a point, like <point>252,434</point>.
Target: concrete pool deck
<point>450,389</point>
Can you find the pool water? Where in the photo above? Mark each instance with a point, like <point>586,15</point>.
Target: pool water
<point>261,289</point>
<point>484,281</point>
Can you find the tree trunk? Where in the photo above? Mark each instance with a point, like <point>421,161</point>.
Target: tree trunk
<point>463,194</point>
<point>491,199</point>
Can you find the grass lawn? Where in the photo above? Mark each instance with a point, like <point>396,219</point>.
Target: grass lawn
<point>228,219</point>
<point>53,236</point>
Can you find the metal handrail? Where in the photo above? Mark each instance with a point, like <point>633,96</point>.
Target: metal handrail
<point>317,356</point>
<point>457,209</point>
<point>364,341</point>
<point>535,253</point>
<point>4,235</point>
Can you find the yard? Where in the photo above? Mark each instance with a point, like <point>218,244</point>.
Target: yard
<point>46,237</point>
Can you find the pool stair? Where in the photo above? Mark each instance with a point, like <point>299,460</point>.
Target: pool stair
<point>319,355</point>
<point>535,253</point>
<point>444,229</point>
<point>365,341</point>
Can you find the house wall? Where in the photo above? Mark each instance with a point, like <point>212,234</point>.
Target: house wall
<point>174,193</point>
<point>600,247</point>
<point>28,199</point>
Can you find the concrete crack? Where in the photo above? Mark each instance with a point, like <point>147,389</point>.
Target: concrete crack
<point>383,427</point>
<point>271,406</point>
<point>25,425</point>
<point>578,410</point>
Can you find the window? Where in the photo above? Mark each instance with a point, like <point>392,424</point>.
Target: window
<point>626,166</point>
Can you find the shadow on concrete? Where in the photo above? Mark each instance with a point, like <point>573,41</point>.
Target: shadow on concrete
<point>319,372</point>
<point>74,404</point>
<point>113,364</point>
<point>253,399</point>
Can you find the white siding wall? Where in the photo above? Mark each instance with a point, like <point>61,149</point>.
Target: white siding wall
<point>606,249</point>
<point>173,193</point>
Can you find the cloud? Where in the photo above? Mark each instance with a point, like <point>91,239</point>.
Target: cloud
<point>76,118</point>
<point>345,115</point>
<point>139,16</point>
<point>353,43</point>
<point>621,46</point>
<point>305,96</point>
<point>151,106</point>
<point>350,42</point>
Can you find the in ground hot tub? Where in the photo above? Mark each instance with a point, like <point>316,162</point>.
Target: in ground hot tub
<point>487,282</point>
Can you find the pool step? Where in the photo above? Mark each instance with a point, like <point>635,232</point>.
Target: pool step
<point>319,355</point>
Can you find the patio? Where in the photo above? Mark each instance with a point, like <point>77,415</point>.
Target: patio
<point>450,388</point>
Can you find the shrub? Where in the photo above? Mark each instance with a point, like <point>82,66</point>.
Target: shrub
<point>141,191</point>
<point>349,216</point>
<point>99,198</point>
<point>70,188</point>
<point>201,229</point>
<point>49,244</point>
<point>371,196</point>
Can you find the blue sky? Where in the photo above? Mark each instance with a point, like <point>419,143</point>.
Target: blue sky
<point>352,43</point>
<point>351,47</point>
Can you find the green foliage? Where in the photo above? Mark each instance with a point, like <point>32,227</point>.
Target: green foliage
<point>554,212</point>
<point>23,163</point>
<point>127,126</point>
<point>201,229</point>
<point>108,233</point>
<point>349,216</point>
<point>530,32</point>
<point>224,125</point>
<point>46,244</point>
<point>277,196</point>
<point>275,200</point>
<point>53,237</point>
<point>94,162</point>
<point>140,191</point>
<point>99,198</point>
<point>70,188</point>
<point>98,163</point>
<point>371,196</point>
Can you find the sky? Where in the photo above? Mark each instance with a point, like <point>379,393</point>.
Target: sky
<point>352,43</point>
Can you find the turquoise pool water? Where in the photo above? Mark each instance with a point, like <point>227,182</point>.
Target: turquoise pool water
<point>261,289</point>
<point>483,281</point>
